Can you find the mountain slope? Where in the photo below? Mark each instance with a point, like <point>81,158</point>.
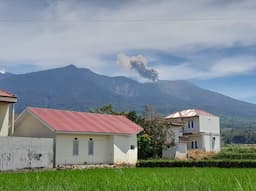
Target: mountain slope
<point>81,89</point>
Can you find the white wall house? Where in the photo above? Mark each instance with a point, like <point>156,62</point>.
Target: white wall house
<point>7,102</point>
<point>80,137</point>
<point>199,130</point>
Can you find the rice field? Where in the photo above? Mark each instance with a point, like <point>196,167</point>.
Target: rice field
<point>133,179</point>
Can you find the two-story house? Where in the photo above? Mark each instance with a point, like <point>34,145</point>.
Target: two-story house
<point>7,102</point>
<point>200,130</point>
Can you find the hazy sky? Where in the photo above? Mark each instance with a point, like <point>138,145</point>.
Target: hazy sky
<point>210,42</point>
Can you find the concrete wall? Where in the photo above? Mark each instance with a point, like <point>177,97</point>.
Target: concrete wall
<point>4,119</point>
<point>205,141</point>
<point>210,144</point>
<point>198,139</point>
<point>209,124</point>
<point>177,133</point>
<point>169,153</point>
<point>179,151</point>
<point>103,149</point>
<point>29,126</point>
<point>195,128</point>
<point>123,151</point>
<point>20,152</point>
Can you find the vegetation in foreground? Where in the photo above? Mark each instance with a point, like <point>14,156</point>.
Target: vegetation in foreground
<point>237,152</point>
<point>228,152</point>
<point>189,179</point>
<point>198,163</point>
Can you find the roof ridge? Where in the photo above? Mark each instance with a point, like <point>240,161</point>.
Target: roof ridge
<point>64,110</point>
<point>7,92</point>
<point>189,113</point>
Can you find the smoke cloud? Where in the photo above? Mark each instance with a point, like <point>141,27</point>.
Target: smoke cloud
<point>139,64</point>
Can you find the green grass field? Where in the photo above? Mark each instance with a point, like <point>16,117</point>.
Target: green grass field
<point>191,179</point>
<point>242,152</point>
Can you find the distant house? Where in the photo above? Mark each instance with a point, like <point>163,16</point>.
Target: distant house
<point>197,129</point>
<point>82,137</point>
<point>7,110</point>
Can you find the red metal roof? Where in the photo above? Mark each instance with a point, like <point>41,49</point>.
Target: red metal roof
<point>70,121</point>
<point>188,113</point>
<point>4,93</point>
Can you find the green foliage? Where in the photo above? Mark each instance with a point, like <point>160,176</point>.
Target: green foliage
<point>145,149</point>
<point>232,152</point>
<point>237,123</point>
<point>106,109</point>
<point>156,129</point>
<point>198,163</point>
<point>133,116</point>
<point>231,156</point>
<point>239,148</point>
<point>152,139</point>
<point>132,179</point>
<point>239,136</point>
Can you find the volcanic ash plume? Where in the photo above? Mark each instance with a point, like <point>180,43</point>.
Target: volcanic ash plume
<point>138,63</point>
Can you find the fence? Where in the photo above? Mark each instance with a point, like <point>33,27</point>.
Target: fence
<point>21,152</point>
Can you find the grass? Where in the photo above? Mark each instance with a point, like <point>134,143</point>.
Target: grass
<point>133,179</point>
<point>246,152</point>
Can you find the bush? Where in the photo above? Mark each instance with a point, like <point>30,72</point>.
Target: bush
<point>197,163</point>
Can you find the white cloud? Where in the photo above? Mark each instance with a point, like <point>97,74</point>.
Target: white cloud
<point>67,32</point>
<point>221,68</point>
<point>232,66</point>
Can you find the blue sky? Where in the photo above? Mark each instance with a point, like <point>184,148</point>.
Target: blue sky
<point>211,43</point>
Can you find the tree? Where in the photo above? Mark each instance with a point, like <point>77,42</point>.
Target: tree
<point>106,109</point>
<point>152,139</point>
<point>158,131</point>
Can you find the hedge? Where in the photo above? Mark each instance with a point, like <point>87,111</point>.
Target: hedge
<point>198,163</point>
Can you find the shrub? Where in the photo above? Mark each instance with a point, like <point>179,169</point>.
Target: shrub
<point>199,163</point>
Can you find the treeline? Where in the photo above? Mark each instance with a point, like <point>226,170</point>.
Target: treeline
<point>238,131</point>
<point>238,136</point>
<point>237,123</point>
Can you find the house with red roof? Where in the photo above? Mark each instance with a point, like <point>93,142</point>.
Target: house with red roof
<point>80,137</point>
<point>7,112</point>
<point>199,130</point>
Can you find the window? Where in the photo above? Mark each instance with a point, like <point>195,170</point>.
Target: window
<point>132,147</point>
<point>213,143</point>
<point>190,124</point>
<point>196,145</point>
<point>75,147</point>
<point>90,147</point>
